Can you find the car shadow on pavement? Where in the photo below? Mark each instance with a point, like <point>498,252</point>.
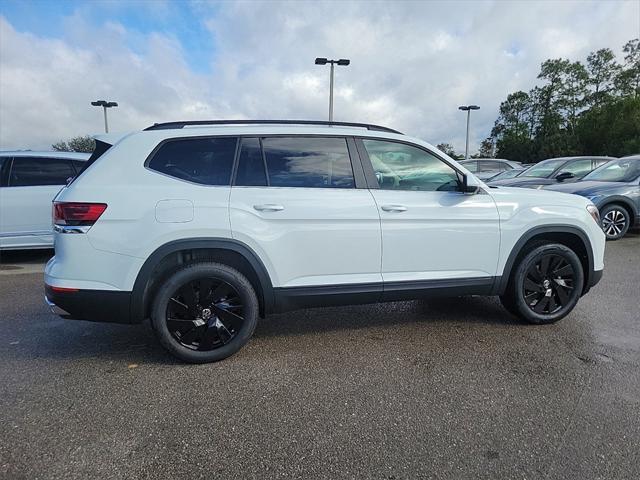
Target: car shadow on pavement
<point>60,339</point>
<point>25,260</point>
<point>470,310</point>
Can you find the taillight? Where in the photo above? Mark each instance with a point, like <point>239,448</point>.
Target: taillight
<point>77,214</point>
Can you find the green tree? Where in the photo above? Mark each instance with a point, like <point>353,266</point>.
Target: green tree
<point>628,80</point>
<point>576,109</point>
<point>603,69</point>
<point>487,148</point>
<point>84,144</point>
<point>573,93</point>
<point>448,149</point>
<point>611,129</point>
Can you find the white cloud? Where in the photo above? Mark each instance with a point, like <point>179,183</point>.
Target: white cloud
<point>413,63</point>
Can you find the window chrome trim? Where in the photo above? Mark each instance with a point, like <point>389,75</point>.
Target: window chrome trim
<point>71,228</point>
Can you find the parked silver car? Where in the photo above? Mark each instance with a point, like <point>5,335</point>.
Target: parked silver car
<point>485,168</point>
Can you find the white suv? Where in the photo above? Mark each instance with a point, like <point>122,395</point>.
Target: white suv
<point>205,226</point>
<point>28,182</point>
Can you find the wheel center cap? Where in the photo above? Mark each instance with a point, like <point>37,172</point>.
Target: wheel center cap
<point>206,314</point>
<point>546,284</point>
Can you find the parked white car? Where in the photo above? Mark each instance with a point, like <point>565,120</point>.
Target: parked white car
<point>28,183</point>
<point>205,226</point>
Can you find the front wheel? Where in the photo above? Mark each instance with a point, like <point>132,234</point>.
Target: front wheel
<point>615,221</point>
<point>204,312</point>
<point>546,284</point>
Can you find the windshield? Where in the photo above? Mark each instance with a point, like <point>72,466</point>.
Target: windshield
<point>471,166</point>
<point>543,169</point>
<point>623,170</point>
<point>511,173</point>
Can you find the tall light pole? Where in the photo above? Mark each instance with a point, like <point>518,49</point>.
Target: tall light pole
<point>323,61</point>
<point>468,108</point>
<point>104,104</point>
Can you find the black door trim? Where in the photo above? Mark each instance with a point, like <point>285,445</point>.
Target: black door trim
<point>292,298</point>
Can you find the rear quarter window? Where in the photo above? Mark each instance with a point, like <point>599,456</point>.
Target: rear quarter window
<point>38,171</point>
<point>207,161</point>
<point>5,164</point>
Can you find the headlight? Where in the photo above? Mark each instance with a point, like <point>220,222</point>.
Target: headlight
<point>595,214</point>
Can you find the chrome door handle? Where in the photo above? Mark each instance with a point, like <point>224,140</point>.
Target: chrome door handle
<point>394,208</point>
<point>269,207</point>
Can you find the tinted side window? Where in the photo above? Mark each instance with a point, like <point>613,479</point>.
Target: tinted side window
<point>398,166</point>
<point>471,166</point>
<point>5,163</point>
<point>579,168</point>
<point>78,165</point>
<point>33,171</point>
<point>492,166</point>
<point>251,170</point>
<point>318,162</point>
<point>207,161</point>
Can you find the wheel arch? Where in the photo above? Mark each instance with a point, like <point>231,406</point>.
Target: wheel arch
<point>568,235</point>
<point>170,256</point>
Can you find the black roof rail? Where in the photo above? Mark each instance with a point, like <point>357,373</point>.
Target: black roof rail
<point>176,125</point>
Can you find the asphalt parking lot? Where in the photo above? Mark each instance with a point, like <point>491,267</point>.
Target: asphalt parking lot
<point>431,389</point>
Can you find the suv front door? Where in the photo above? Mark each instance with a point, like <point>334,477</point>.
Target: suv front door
<point>433,235</point>
<point>295,201</point>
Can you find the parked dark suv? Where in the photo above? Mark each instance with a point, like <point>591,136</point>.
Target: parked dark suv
<point>615,189</point>
<point>554,170</point>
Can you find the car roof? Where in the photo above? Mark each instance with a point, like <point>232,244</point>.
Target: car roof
<point>265,130</point>
<point>43,154</point>
<point>269,129</point>
<point>580,157</point>
<point>491,159</point>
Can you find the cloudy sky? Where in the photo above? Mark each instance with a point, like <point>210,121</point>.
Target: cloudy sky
<point>413,63</point>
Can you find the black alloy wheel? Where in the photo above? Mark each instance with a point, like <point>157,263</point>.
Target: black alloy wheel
<point>549,284</point>
<point>545,285</point>
<point>204,312</point>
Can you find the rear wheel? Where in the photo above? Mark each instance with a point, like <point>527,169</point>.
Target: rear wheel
<point>204,312</point>
<point>615,221</point>
<point>546,284</point>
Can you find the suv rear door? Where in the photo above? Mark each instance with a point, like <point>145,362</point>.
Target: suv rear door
<point>303,206</point>
<point>33,182</point>
<point>432,234</point>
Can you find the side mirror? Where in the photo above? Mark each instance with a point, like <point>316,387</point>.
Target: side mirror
<point>562,176</point>
<point>466,188</point>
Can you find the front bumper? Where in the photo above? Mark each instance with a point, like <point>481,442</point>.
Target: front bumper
<point>592,280</point>
<point>596,276</point>
<point>93,305</point>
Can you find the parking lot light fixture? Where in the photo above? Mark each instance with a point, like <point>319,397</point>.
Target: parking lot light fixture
<point>104,104</point>
<point>467,108</point>
<point>323,61</point>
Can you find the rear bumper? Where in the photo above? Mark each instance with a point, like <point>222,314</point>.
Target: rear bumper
<point>93,305</point>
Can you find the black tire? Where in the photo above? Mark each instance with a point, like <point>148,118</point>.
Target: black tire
<point>204,312</point>
<point>546,284</point>
<point>509,304</point>
<point>615,221</point>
